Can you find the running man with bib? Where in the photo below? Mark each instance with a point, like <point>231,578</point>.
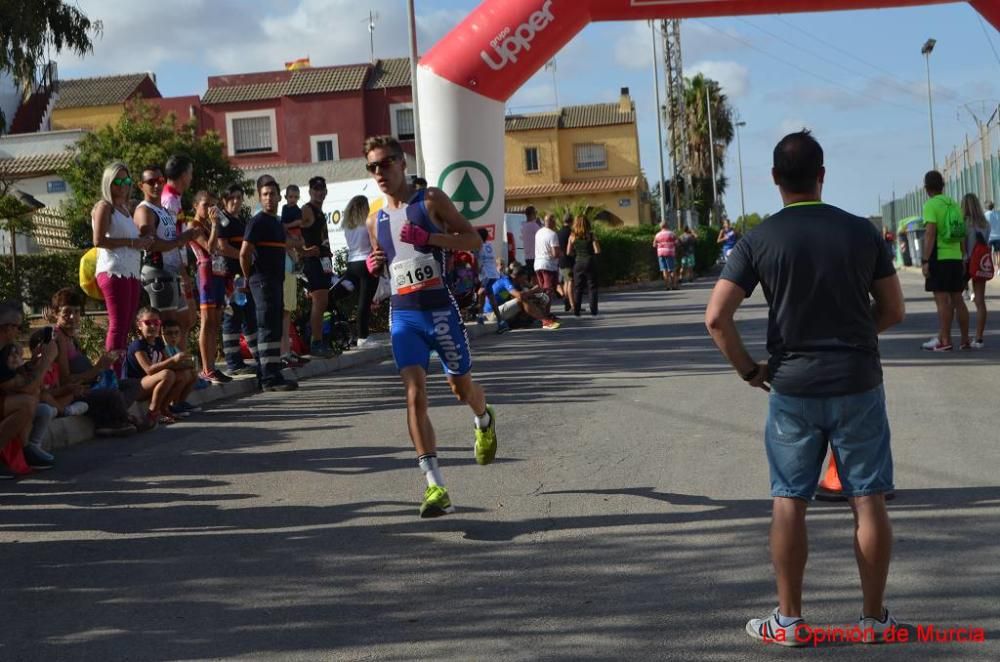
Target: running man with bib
<point>409,235</point>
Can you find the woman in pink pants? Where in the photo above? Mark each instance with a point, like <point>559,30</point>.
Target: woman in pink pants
<point>118,250</point>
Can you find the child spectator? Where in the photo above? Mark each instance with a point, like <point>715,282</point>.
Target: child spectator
<point>157,374</point>
<point>67,399</point>
<point>291,218</point>
<point>18,378</point>
<point>171,334</point>
<point>108,401</point>
<point>211,284</point>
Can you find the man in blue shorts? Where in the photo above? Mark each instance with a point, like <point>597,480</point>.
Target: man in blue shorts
<point>408,235</point>
<point>818,267</point>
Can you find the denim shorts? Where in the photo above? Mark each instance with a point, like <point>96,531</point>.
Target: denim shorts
<point>667,262</point>
<point>856,428</point>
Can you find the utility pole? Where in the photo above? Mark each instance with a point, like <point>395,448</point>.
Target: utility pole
<point>414,55</point>
<point>659,125</point>
<point>680,180</point>
<point>711,149</point>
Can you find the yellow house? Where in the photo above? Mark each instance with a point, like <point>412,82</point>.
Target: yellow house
<point>588,153</point>
<point>92,103</point>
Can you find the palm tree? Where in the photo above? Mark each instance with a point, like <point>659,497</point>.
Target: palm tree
<point>696,89</point>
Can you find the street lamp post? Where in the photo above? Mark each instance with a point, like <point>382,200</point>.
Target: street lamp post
<point>739,158</point>
<point>659,127</point>
<point>711,150</point>
<point>926,51</point>
<point>417,146</point>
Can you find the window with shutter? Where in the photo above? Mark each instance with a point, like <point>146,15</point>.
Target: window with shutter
<point>404,124</point>
<point>591,156</point>
<point>531,159</point>
<point>252,134</point>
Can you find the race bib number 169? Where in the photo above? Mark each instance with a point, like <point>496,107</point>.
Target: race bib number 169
<point>420,273</point>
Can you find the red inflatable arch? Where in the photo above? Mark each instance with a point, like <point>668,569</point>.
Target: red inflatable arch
<point>465,78</point>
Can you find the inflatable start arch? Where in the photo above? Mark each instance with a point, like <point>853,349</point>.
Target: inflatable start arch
<point>465,78</point>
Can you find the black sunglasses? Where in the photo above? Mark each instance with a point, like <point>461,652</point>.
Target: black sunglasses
<point>383,164</point>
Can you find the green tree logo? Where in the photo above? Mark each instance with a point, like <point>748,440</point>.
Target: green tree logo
<point>475,182</point>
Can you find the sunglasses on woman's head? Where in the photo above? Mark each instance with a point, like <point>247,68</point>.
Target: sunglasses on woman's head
<point>383,164</point>
<point>122,181</point>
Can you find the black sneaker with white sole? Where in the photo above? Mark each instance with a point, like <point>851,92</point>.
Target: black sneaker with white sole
<point>36,459</point>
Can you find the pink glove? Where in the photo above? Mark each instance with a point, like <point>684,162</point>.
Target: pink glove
<point>374,265</point>
<point>413,234</point>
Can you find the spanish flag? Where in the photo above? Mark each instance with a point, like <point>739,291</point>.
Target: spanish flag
<point>295,65</point>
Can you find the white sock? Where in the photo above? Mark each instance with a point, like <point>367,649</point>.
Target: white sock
<point>785,621</point>
<point>483,422</point>
<point>432,472</point>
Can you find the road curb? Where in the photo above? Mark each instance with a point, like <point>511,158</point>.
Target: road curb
<point>73,430</point>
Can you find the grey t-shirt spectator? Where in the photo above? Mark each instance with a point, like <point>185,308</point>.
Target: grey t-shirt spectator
<point>816,264</point>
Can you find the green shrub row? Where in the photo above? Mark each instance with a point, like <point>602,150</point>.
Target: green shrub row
<point>628,256</point>
<point>39,276</point>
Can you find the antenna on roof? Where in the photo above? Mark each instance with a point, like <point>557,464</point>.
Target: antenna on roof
<point>372,17</point>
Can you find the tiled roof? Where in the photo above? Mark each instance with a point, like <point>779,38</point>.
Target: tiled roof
<point>532,122</point>
<point>102,91</point>
<point>324,80</point>
<point>572,117</point>
<point>603,185</point>
<point>320,80</point>
<point>253,92</point>
<point>394,72</point>
<point>51,230</point>
<point>37,164</point>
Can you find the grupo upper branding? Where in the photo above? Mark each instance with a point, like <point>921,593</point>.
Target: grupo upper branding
<point>509,42</point>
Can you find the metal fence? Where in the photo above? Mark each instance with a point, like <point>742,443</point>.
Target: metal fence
<point>971,168</point>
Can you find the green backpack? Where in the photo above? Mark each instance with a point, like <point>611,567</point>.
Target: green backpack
<point>953,227</point>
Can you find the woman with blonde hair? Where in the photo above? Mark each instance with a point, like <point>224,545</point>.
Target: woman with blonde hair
<point>359,247</point>
<point>978,231</point>
<point>585,247</point>
<point>119,248</point>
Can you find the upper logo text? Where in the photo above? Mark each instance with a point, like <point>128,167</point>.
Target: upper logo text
<point>509,44</point>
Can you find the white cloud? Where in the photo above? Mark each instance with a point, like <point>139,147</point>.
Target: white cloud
<point>224,36</point>
<point>732,76</point>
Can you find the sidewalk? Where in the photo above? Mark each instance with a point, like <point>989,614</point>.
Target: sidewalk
<point>71,430</point>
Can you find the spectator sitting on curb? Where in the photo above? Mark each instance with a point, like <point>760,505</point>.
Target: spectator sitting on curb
<point>171,334</point>
<point>18,378</point>
<point>107,401</point>
<point>147,361</point>
<point>520,303</point>
<point>16,411</point>
<point>66,399</point>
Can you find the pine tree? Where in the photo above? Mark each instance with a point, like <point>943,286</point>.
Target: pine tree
<point>466,193</point>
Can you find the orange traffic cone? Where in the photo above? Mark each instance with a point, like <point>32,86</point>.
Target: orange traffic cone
<point>830,488</point>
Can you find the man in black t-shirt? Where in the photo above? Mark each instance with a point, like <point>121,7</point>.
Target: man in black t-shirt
<point>262,259</point>
<point>566,262</point>
<point>819,268</point>
<point>318,266</point>
<point>239,316</point>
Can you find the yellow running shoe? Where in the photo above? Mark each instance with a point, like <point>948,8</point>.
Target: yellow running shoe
<point>486,440</point>
<point>436,502</point>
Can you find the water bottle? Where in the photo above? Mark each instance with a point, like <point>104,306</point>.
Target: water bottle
<point>239,295</point>
<point>223,218</point>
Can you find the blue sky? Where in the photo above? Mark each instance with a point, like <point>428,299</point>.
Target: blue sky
<point>856,79</point>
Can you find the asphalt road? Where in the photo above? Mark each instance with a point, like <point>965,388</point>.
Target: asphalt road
<point>625,519</point>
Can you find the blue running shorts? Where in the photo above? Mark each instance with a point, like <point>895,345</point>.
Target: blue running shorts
<point>416,333</point>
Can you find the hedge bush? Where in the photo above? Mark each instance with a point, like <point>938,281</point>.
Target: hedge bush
<point>628,256</point>
<point>39,276</point>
